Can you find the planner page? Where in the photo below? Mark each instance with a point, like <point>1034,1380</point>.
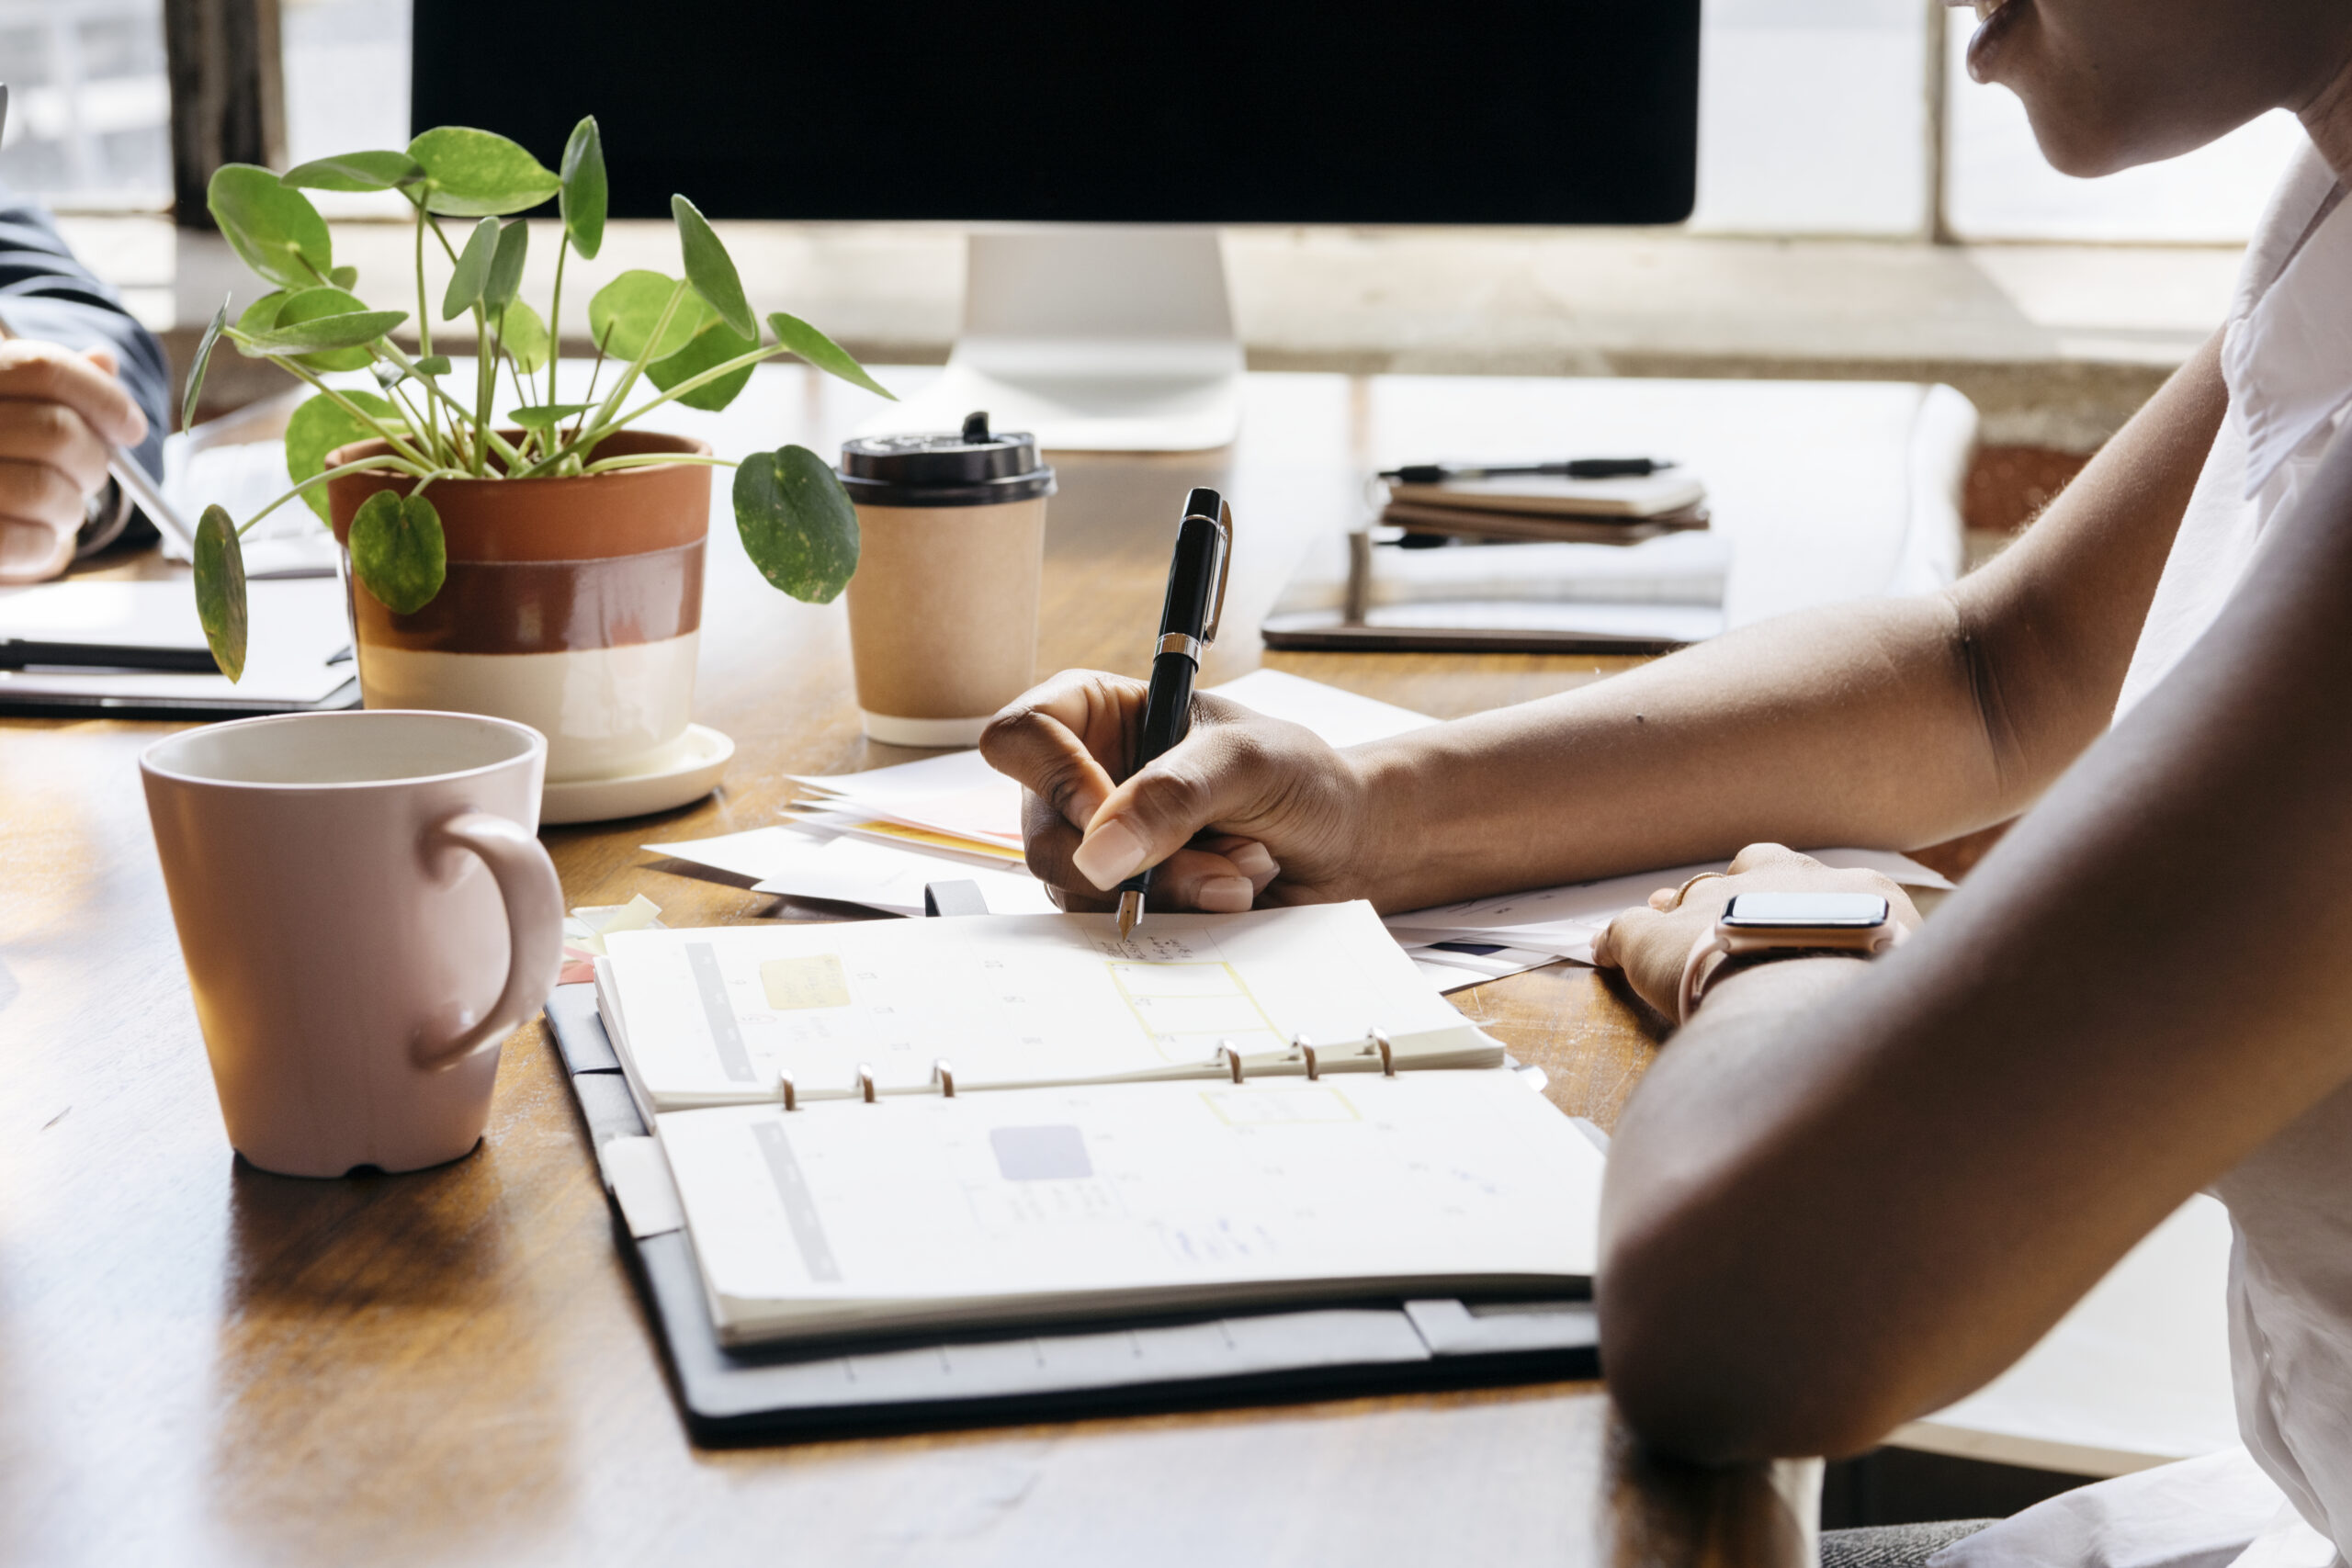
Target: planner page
<point>715,1016</point>
<point>1102,1200</point>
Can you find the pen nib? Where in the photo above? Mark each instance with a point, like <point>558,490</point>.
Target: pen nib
<point>1130,913</point>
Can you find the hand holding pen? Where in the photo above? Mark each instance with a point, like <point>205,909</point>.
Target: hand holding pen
<point>1188,624</point>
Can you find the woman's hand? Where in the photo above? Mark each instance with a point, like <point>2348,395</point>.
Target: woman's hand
<point>1651,944</point>
<point>1246,810</point>
<point>57,412</point>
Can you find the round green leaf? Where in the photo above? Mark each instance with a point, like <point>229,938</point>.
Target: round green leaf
<point>221,591</point>
<point>710,269</point>
<point>584,195</point>
<point>397,552</point>
<point>196,367</point>
<point>797,523</point>
<point>547,416</point>
<point>261,316</point>
<point>713,346</point>
<point>309,305</point>
<point>432,365</point>
<point>273,228</point>
<point>471,272</point>
<point>629,307</point>
<point>505,276</point>
<point>823,352</point>
<point>478,173</point>
<point>343,277</point>
<point>522,336</point>
<point>329,332</point>
<point>320,426</point>
<point>357,171</point>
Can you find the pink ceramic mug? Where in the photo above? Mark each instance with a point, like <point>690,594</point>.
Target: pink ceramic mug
<point>366,916</point>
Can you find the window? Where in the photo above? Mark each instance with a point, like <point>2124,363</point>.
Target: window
<point>89,118</point>
<point>1814,120</point>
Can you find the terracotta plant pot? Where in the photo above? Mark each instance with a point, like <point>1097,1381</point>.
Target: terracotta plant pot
<point>573,605</point>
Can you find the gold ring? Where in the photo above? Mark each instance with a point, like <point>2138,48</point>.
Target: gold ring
<point>1687,886</point>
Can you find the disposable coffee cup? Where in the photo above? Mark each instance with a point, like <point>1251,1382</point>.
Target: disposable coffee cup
<point>942,612</point>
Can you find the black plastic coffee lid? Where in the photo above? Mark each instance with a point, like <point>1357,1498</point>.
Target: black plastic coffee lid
<point>971,467</point>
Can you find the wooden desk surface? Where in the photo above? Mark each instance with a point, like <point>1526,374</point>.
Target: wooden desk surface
<point>200,1363</point>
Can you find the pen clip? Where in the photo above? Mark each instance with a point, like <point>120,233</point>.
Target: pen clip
<point>1223,521</point>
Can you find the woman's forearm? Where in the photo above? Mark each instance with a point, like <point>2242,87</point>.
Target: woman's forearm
<point>1852,725</point>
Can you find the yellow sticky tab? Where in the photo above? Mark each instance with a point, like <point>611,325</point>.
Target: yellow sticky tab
<point>796,985</point>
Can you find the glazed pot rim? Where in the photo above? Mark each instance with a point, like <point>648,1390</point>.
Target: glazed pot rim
<point>656,440</point>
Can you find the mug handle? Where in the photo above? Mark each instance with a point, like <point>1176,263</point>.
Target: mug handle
<point>532,894</point>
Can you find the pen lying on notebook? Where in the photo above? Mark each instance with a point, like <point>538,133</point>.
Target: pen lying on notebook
<point>1574,469</point>
<point>1188,621</point>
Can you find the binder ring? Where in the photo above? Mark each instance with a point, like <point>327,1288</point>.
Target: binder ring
<point>1314,1068</point>
<point>1232,1057</point>
<point>1387,1052</point>
<point>944,1071</point>
<point>784,1091</point>
<point>866,1082</point>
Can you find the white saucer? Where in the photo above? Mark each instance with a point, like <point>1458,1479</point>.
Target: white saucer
<point>689,770</point>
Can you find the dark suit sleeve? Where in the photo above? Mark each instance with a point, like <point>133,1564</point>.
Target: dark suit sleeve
<point>46,293</point>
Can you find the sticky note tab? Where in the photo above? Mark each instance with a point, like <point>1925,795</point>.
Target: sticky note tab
<point>796,985</point>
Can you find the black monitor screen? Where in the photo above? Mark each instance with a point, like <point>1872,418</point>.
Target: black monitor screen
<point>1270,111</point>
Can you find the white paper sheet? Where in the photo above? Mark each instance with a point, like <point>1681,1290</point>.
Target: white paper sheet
<point>713,1016</point>
<point>1043,1202</point>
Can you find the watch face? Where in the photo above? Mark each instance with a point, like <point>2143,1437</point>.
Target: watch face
<point>1767,911</point>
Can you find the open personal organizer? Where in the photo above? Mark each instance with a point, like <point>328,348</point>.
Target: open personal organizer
<point>952,1170</point>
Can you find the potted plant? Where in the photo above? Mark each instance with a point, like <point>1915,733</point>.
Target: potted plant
<point>495,535</point>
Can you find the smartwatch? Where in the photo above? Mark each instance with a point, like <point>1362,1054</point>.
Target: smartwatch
<point>1786,925</point>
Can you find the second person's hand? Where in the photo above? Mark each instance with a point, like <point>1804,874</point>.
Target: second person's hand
<point>1245,810</point>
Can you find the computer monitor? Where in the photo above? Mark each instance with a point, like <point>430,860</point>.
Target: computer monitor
<point>1093,144</point>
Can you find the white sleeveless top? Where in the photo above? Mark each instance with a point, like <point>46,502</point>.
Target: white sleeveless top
<point>2287,358</point>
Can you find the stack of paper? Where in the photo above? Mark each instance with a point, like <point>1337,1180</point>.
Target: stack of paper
<point>877,838</point>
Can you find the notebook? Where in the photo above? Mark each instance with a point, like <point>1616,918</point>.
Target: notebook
<point>1645,496</point>
<point>724,1015</point>
<point>299,658</point>
<point>1112,1200</point>
<point>1152,1360</point>
<point>1661,592</point>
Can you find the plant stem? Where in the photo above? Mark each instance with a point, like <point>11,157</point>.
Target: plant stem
<point>649,460</point>
<point>555,309</point>
<point>485,386</point>
<point>497,442</point>
<point>370,419</point>
<point>636,365</point>
<point>689,384</point>
<point>373,465</point>
<point>424,327</point>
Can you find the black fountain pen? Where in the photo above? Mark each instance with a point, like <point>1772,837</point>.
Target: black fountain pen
<point>1187,625</point>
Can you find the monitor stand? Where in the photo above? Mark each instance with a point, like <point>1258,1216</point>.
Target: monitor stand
<point>1095,338</point>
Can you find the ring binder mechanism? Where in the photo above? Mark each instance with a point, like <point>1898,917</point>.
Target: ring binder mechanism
<point>1298,1042</point>
<point>943,1073</point>
<point>784,1091</point>
<point>1388,1052</point>
<point>1231,1057</point>
<point>866,1082</point>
